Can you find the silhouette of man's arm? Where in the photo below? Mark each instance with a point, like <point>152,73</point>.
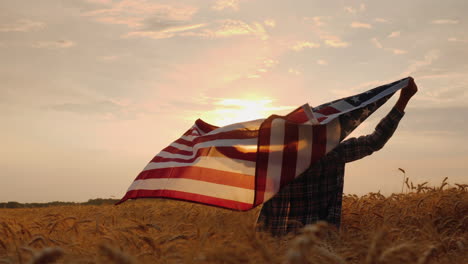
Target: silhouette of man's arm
<point>357,148</point>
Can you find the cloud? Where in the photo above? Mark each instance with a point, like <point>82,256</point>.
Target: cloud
<point>444,22</point>
<point>108,58</point>
<point>417,66</point>
<point>398,51</point>
<point>23,25</point>
<point>108,109</point>
<point>165,33</point>
<point>360,25</point>
<point>328,38</point>
<point>334,41</point>
<point>304,44</point>
<point>457,40</point>
<point>318,21</point>
<point>352,10</point>
<point>377,43</point>
<point>381,20</point>
<point>362,7</point>
<point>294,71</point>
<point>230,28</point>
<point>264,67</point>
<point>225,4</point>
<point>60,44</point>
<point>270,23</point>
<point>394,34</point>
<point>322,62</point>
<point>134,13</point>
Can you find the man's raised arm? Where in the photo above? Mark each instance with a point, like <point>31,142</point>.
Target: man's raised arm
<point>356,148</point>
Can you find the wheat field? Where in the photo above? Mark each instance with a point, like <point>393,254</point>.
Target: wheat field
<point>425,225</point>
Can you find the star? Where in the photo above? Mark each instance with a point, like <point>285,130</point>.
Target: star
<point>366,112</point>
<point>356,122</point>
<point>346,133</point>
<point>355,99</point>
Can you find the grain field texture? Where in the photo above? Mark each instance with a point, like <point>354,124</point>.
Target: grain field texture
<point>425,225</point>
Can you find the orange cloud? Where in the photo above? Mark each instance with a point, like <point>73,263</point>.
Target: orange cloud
<point>224,4</point>
<point>230,28</point>
<point>60,44</point>
<point>304,44</point>
<point>335,42</point>
<point>133,13</point>
<point>398,51</point>
<point>445,22</point>
<point>270,23</point>
<point>23,25</point>
<point>394,34</point>
<point>360,25</point>
<point>165,33</point>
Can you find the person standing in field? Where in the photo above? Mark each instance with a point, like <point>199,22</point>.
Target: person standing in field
<point>316,195</point>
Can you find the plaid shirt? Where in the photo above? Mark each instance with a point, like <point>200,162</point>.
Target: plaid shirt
<point>317,193</point>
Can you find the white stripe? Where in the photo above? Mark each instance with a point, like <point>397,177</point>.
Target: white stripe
<point>342,105</point>
<point>275,158</point>
<point>217,143</point>
<point>199,131</point>
<point>384,93</point>
<point>333,134</point>
<point>304,153</point>
<point>310,115</point>
<point>217,163</point>
<point>242,148</point>
<point>196,187</point>
<point>189,138</point>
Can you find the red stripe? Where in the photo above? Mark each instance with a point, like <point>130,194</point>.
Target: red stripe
<point>192,132</point>
<point>320,119</point>
<point>205,127</point>
<point>175,150</point>
<point>264,134</point>
<point>191,197</point>
<point>236,134</point>
<point>288,168</point>
<point>319,142</point>
<point>298,116</point>
<point>201,174</point>
<point>328,110</point>
<point>228,152</point>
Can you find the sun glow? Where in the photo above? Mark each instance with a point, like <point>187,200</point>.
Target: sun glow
<point>230,111</point>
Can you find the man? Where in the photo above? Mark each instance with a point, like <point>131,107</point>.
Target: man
<point>317,193</point>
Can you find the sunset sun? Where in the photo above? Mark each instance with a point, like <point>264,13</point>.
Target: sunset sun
<point>229,111</point>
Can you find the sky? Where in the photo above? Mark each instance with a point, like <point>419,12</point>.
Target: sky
<point>91,90</point>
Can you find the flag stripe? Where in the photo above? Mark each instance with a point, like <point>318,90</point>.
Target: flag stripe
<point>191,197</point>
<point>262,160</point>
<point>288,168</point>
<point>241,153</point>
<point>319,134</point>
<point>304,148</point>
<point>333,135</point>
<point>201,174</point>
<point>221,191</point>
<point>275,158</point>
<point>217,163</point>
<point>241,135</point>
<point>217,143</point>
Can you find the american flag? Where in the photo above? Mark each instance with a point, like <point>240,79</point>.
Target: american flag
<point>243,165</point>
